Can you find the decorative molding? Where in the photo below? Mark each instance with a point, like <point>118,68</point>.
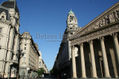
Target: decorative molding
<point>109,16</point>
<point>96,35</point>
<point>5,22</point>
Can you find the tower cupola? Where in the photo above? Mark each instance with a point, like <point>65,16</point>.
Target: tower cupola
<point>71,20</point>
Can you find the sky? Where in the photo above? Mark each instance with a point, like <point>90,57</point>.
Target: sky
<point>46,20</point>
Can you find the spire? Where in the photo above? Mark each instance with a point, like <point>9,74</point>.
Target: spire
<point>72,23</point>
<point>71,12</point>
<point>72,20</point>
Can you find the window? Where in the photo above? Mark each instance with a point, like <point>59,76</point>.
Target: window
<point>71,18</point>
<point>25,44</point>
<point>3,17</point>
<point>0,30</point>
<point>71,33</point>
<point>0,47</point>
<point>24,48</point>
<point>70,28</point>
<point>40,63</point>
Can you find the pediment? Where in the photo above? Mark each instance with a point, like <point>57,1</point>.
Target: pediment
<point>107,18</point>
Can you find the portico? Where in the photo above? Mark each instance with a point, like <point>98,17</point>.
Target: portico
<point>94,48</point>
<point>104,65</point>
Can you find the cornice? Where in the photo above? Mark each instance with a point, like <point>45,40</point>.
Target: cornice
<point>5,22</point>
<point>93,22</point>
<point>96,34</point>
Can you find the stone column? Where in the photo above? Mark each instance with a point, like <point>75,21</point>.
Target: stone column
<point>74,73</point>
<point>106,68</point>
<point>116,46</point>
<point>9,53</point>
<point>83,68</point>
<point>69,49</point>
<point>113,62</point>
<point>94,72</point>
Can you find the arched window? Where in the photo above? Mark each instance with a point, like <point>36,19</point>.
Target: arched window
<point>3,16</point>
<point>71,18</point>
<point>0,30</point>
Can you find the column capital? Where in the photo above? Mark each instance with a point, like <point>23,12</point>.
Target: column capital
<point>102,38</point>
<point>91,41</point>
<point>72,47</point>
<point>114,34</point>
<point>81,44</point>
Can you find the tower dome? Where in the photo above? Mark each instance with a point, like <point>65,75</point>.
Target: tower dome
<point>71,12</point>
<point>10,4</point>
<point>72,20</point>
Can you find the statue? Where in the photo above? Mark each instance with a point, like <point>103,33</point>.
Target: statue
<point>111,18</point>
<point>116,13</point>
<point>97,25</point>
<point>103,22</point>
<point>107,21</point>
<point>100,23</point>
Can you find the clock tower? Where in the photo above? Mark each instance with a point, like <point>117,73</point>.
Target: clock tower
<point>72,24</point>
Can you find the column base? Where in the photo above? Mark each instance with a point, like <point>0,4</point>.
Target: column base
<point>117,77</point>
<point>6,75</point>
<point>95,77</point>
<point>83,77</point>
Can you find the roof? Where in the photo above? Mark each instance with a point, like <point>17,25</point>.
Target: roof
<point>10,4</point>
<point>71,12</point>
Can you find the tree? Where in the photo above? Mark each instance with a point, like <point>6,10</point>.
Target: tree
<point>40,72</point>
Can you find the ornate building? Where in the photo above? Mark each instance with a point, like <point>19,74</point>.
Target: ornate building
<point>91,51</point>
<point>9,39</point>
<point>29,62</point>
<point>42,63</point>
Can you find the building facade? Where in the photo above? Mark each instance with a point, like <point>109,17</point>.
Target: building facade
<point>91,51</point>
<point>29,61</point>
<point>9,39</point>
<point>42,63</point>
